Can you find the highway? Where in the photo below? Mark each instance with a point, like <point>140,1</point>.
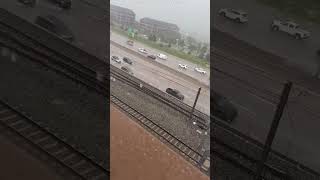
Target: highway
<point>258,32</point>
<point>162,79</point>
<point>171,62</point>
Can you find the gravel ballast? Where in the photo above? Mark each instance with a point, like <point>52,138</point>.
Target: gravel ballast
<point>168,118</point>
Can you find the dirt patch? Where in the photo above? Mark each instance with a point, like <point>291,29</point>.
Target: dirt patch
<point>17,164</point>
<point>138,155</point>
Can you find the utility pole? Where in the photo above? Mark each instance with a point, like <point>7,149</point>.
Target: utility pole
<point>194,104</point>
<point>273,129</point>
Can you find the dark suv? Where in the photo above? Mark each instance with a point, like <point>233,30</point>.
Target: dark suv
<point>66,4</point>
<point>54,25</point>
<point>175,93</point>
<point>127,60</point>
<point>222,108</point>
<point>152,57</point>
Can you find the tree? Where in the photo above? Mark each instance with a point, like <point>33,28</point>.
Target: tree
<point>192,48</point>
<point>201,55</point>
<point>203,50</point>
<point>181,42</point>
<point>199,47</point>
<point>152,37</point>
<point>208,57</point>
<point>191,40</point>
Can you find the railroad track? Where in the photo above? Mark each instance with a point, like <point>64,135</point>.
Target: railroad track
<point>245,162</point>
<point>51,145</point>
<point>184,149</point>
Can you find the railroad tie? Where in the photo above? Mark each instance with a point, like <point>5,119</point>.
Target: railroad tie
<point>60,151</point>
<point>22,129</point>
<point>68,157</point>
<point>99,177</point>
<point>4,111</point>
<point>87,170</point>
<point>41,139</point>
<point>48,146</point>
<point>34,133</point>
<point>77,164</point>
<point>8,117</point>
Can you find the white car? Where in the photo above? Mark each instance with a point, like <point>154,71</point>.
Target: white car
<point>116,59</point>
<point>200,70</point>
<point>183,66</point>
<point>162,56</point>
<point>237,15</point>
<point>142,50</point>
<point>291,28</point>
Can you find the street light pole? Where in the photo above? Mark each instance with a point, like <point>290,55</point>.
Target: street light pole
<point>273,129</point>
<point>194,104</point>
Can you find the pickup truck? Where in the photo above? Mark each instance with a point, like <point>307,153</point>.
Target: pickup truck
<point>233,14</point>
<point>290,28</point>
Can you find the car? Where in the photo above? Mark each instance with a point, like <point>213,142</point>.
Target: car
<point>222,107</point>
<point>202,126</point>
<point>290,28</point>
<point>130,43</point>
<point>175,93</point>
<point>127,70</point>
<point>31,3</point>
<point>200,70</point>
<point>183,66</point>
<point>152,57</point>
<point>162,56</point>
<point>233,14</point>
<point>56,26</point>
<point>127,60</point>
<point>142,50</point>
<point>65,4</point>
<point>116,59</point>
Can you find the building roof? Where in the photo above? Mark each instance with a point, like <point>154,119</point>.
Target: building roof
<point>158,22</point>
<point>121,9</point>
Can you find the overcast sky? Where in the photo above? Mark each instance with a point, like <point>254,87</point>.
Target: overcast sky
<point>192,16</point>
